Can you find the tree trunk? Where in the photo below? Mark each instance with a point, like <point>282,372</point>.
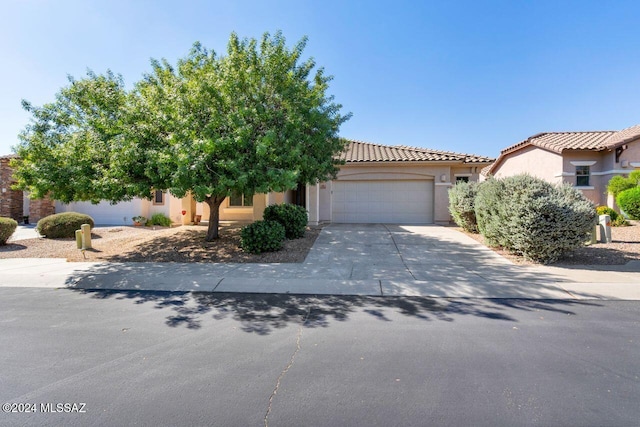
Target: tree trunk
<point>214,203</point>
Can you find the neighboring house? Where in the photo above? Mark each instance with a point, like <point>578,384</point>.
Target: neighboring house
<point>377,184</point>
<point>586,160</point>
<point>13,203</point>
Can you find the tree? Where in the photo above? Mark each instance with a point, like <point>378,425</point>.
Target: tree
<point>252,121</point>
<point>619,183</point>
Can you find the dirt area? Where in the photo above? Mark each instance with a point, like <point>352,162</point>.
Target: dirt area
<point>144,244</point>
<point>187,244</point>
<point>625,247</point>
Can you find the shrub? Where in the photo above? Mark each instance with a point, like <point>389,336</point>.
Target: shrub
<point>159,219</point>
<point>62,224</point>
<point>462,205</point>
<point>606,210</point>
<point>629,202</point>
<point>262,236</point>
<point>489,208</point>
<point>533,218</point>
<point>620,222</point>
<point>618,184</point>
<point>7,227</point>
<point>293,218</point>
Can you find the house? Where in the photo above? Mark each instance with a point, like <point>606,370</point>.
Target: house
<point>586,160</point>
<point>377,184</point>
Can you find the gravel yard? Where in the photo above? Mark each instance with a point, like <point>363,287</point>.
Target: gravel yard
<point>144,244</point>
<point>625,247</point>
<point>187,244</point>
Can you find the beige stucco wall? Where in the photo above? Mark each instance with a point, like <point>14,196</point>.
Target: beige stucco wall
<point>535,161</point>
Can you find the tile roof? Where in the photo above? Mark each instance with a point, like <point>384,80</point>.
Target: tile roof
<point>592,141</point>
<point>359,152</point>
<point>561,141</point>
<point>9,156</point>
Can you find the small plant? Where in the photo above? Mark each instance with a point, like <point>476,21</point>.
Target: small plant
<point>620,222</point>
<point>139,220</point>
<point>262,236</point>
<point>7,227</point>
<point>63,224</point>
<point>606,210</point>
<point>293,218</point>
<point>629,202</point>
<point>159,219</point>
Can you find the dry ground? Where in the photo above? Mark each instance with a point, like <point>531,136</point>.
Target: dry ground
<point>625,247</point>
<point>143,244</point>
<point>187,244</point>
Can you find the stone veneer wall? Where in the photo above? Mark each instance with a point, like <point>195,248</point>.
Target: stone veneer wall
<point>11,201</point>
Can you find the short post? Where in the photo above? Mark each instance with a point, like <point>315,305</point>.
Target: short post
<point>86,236</point>
<point>79,239</point>
<point>605,228</point>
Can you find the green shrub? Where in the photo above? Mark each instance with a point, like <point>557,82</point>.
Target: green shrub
<point>606,210</point>
<point>262,236</point>
<point>63,224</point>
<point>620,222</point>
<point>294,218</point>
<point>618,184</point>
<point>159,219</point>
<point>462,205</point>
<point>629,202</point>
<point>490,214</point>
<point>7,227</point>
<point>533,218</point>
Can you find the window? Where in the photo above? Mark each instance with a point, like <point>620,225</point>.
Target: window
<point>240,200</point>
<point>158,197</point>
<point>462,179</point>
<point>582,176</point>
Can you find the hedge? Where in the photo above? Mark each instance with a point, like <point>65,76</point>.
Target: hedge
<point>63,224</point>
<point>7,227</point>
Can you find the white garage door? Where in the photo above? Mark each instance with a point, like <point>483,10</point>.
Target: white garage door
<point>395,202</point>
<point>105,213</point>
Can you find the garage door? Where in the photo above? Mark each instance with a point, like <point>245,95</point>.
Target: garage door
<point>395,202</point>
<point>104,213</point>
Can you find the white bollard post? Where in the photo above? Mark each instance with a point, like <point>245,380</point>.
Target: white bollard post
<point>605,229</point>
<point>86,236</point>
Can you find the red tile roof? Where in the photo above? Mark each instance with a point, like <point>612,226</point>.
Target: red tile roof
<point>592,141</point>
<point>358,152</point>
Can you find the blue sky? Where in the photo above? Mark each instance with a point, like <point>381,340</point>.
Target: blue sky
<point>465,76</point>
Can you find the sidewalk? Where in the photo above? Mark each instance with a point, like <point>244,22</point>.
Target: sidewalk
<point>522,282</point>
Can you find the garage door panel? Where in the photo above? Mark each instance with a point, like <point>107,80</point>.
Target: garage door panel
<point>408,201</point>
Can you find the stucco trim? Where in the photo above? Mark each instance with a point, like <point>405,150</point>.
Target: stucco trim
<point>588,187</point>
<point>635,164</point>
<point>444,184</point>
<point>561,174</point>
<point>613,172</point>
<point>583,162</point>
<point>342,176</point>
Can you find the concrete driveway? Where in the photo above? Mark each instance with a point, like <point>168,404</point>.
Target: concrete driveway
<point>350,259</point>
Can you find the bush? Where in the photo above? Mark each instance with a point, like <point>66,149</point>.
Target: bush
<point>62,224</point>
<point>620,222</point>
<point>462,205</point>
<point>489,209</point>
<point>293,218</point>
<point>262,236</point>
<point>159,219</point>
<point>533,218</point>
<point>7,227</point>
<point>629,202</point>
<point>606,210</point>
<point>618,184</point>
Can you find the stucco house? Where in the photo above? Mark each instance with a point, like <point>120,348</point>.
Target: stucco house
<point>377,184</point>
<point>586,160</point>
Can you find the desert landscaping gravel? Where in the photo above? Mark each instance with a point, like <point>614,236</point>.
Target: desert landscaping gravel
<point>187,244</point>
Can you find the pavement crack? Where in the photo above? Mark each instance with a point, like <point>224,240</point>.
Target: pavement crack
<point>399,253</point>
<point>286,369</point>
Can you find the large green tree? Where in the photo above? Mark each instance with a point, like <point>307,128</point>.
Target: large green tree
<point>257,119</point>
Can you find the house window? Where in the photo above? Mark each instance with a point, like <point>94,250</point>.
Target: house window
<point>582,176</point>
<point>158,197</point>
<point>240,200</point>
<point>462,179</point>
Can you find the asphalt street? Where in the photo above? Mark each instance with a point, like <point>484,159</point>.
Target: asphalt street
<point>179,358</point>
